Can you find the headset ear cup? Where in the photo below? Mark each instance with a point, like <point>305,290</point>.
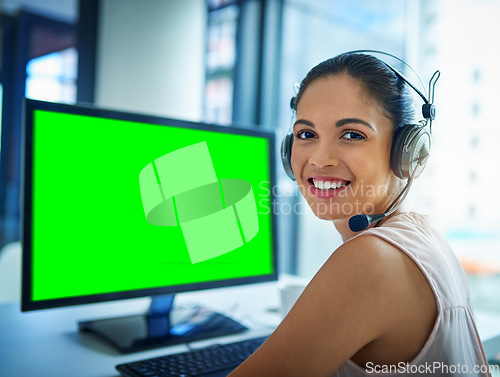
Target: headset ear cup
<point>397,150</point>
<point>410,150</point>
<point>286,155</point>
<point>418,152</point>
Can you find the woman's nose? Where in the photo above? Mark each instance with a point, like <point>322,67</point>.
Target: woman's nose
<point>324,155</point>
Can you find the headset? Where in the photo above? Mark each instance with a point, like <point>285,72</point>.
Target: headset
<point>410,149</point>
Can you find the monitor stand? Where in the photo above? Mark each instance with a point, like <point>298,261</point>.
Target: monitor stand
<point>163,325</point>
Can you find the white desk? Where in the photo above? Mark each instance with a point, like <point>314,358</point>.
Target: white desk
<point>47,342</point>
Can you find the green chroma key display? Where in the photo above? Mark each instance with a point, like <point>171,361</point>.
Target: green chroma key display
<point>211,225</point>
<point>121,206</point>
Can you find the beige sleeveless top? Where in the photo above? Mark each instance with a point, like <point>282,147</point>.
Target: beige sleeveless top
<point>453,347</point>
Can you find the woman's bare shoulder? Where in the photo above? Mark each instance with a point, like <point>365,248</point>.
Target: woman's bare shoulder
<point>398,284</point>
<point>344,308</point>
<point>355,307</point>
<point>367,253</point>
<point>373,260</point>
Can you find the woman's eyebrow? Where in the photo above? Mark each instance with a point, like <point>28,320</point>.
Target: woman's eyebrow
<point>304,122</point>
<point>340,123</point>
<point>343,122</point>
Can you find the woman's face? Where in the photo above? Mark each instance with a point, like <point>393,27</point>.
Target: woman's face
<point>341,150</point>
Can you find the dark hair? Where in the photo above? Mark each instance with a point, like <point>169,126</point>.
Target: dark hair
<point>376,78</point>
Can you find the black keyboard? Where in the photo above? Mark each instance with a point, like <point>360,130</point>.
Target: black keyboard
<point>217,360</point>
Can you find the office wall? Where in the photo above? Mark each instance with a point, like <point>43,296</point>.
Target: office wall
<point>150,57</point>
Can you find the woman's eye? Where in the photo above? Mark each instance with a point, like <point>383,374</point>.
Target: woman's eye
<point>353,135</point>
<point>304,135</point>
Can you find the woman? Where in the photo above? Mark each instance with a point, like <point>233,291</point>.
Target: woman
<point>392,298</point>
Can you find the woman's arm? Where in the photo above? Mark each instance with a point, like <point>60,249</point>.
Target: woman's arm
<point>353,305</point>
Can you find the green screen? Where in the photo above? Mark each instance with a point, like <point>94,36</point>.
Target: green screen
<point>90,230</point>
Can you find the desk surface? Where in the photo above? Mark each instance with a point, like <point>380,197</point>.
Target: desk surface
<point>47,342</point>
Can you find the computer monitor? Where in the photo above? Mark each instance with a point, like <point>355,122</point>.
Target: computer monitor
<point>119,205</point>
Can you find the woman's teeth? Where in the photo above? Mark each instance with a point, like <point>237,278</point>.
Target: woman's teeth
<point>327,185</point>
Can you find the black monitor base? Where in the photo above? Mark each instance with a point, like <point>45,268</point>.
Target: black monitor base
<point>162,326</point>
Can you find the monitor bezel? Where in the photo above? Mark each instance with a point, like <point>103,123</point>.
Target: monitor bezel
<point>27,304</point>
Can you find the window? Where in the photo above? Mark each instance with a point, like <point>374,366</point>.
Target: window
<point>52,77</point>
<point>221,60</point>
<point>39,60</point>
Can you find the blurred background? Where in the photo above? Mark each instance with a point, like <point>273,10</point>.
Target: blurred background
<point>232,62</point>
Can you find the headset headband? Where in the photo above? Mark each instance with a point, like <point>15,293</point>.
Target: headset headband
<point>428,109</point>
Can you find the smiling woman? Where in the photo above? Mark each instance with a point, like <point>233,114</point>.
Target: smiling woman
<point>342,137</point>
<point>393,294</point>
